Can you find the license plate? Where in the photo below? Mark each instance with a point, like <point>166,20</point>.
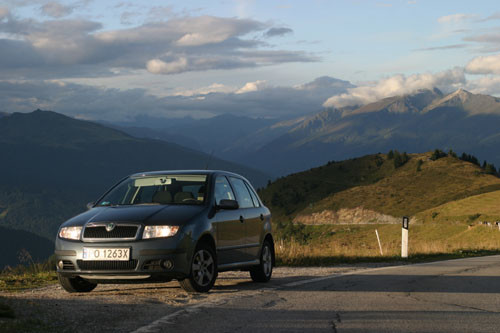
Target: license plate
<point>94,253</point>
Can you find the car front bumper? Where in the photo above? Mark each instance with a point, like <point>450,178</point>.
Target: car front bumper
<point>159,259</point>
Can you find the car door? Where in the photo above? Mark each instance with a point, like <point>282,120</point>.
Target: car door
<point>251,217</point>
<point>230,229</point>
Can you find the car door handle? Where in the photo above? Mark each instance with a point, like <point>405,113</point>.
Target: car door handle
<point>261,217</point>
<point>242,219</point>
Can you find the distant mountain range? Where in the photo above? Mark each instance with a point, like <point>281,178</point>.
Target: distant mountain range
<point>52,165</point>
<point>417,122</point>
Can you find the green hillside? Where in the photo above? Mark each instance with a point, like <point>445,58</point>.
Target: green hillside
<point>373,183</point>
<point>483,207</point>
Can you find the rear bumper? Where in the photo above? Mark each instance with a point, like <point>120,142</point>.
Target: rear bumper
<point>150,260</point>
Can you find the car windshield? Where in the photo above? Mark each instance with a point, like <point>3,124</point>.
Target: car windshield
<point>158,190</point>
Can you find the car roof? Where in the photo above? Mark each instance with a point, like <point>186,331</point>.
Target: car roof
<point>183,172</point>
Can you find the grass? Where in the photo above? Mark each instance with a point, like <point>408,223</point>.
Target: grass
<point>482,207</point>
<point>21,281</point>
<point>329,245</point>
<point>32,275</point>
<point>408,191</point>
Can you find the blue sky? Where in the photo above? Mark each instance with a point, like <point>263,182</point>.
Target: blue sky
<point>173,52</point>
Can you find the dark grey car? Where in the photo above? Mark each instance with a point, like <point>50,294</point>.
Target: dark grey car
<point>159,226</point>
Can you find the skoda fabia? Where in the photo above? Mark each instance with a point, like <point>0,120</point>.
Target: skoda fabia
<point>159,226</point>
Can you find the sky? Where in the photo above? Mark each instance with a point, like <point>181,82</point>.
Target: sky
<point>119,60</point>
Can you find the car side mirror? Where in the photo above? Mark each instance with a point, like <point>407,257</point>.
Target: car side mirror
<point>227,204</point>
<point>90,205</point>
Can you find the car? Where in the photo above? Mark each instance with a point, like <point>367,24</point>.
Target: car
<point>164,225</point>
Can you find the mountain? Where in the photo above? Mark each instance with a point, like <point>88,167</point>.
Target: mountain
<point>212,135</point>
<point>16,245</point>
<point>372,189</point>
<point>417,122</point>
<point>160,134</point>
<point>52,165</point>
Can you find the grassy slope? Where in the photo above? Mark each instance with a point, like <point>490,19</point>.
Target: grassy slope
<point>483,207</point>
<point>289,195</point>
<point>382,188</point>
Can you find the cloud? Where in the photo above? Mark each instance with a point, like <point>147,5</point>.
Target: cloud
<point>213,88</point>
<point>67,47</point>
<point>255,99</point>
<point>157,66</point>
<point>55,9</point>
<point>494,16</point>
<point>455,18</point>
<point>127,17</point>
<point>278,32</point>
<point>252,86</point>
<point>445,47</point>
<point>484,65</point>
<point>4,13</point>
<point>489,85</point>
<point>398,85</point>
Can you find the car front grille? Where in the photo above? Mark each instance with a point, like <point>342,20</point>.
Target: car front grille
<point>120,231</point>
<point>105,265</point>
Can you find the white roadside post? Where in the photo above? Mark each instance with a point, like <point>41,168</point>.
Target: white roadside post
<point>404,237</point>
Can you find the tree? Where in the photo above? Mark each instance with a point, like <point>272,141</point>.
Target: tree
<point>390,155</point>
<point>437,154</point>
<point>490,169</point>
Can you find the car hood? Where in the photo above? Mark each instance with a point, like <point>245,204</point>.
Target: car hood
<point>148,215</point>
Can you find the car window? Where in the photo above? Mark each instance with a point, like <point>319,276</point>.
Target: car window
<point>255,200</point>
<point>223,189</point>
<point>166,189</point>
<point>242,194</point>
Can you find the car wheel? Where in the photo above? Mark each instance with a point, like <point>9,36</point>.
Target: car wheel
<point>76,284</point>
<point>203,270</point>
<point>263,272</point>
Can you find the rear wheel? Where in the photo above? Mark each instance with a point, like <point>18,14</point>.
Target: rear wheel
<point>75,284</point>
<point>264,271</point>
<point>203,270</point>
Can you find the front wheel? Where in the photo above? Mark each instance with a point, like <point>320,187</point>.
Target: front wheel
<point>203,270</point>
<point>263,272</point>
<point>76,284</point>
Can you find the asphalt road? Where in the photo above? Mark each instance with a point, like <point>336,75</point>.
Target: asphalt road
<point>449,296</point>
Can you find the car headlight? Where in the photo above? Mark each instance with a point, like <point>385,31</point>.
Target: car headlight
<point>70,232</point>
<point>157,231</point>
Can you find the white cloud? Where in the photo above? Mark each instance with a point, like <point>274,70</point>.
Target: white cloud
<point>484,65</point>
<point>488,85</point>
<point>70,47</point>
<point>157,66</point>
<point>455,18</point>
<point>398,85</point>
<point>252,86</point>
<point>213,88</point>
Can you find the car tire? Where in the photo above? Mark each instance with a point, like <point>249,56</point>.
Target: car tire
<point>203,271</point>
<point>76,284</point>
<point>264,271</point>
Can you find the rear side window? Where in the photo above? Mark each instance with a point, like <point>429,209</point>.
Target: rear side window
<point>223,189</point>
<point>256,202</point>
<point>242,194</point>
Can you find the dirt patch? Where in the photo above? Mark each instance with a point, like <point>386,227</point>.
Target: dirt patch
<point>357,215</point>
